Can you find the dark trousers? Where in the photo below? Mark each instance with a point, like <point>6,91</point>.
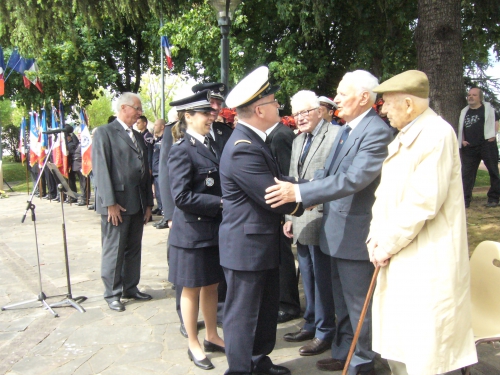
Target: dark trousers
<point>83,184</point>
<point>471,158</point>
<point>250,319</point>
<point>121,255</point>
<point>350,282</point>
<point>289,289</point>
<point>156,183</point>
<point>319,315</point>
<point>51,182</point>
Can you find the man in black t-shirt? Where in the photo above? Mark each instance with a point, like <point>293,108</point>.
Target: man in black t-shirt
<point>477,140</point>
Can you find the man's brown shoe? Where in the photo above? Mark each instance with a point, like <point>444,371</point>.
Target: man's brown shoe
<point>301,335</point>
<point>314,347</point>
<point>330,364</point>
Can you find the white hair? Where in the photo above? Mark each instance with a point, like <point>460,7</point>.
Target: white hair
<point>172,115</point>
<point>126,98</point>
<point>362,81</point>
<point>304,97</point>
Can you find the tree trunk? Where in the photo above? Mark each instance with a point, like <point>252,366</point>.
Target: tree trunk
<point>439,55</point>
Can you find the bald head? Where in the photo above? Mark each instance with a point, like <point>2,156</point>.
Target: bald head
<point>159,127</point>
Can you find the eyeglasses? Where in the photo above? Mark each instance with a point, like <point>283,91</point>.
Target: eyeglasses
<point>303,113</point>
<point>275,101</point>
<point>139,109</point>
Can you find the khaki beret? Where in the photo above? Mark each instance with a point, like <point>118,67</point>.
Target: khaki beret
<point>412,82</point>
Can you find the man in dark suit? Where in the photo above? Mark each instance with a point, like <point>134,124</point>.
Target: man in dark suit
<point>155,163</point>
<point>309,152</point>
<point>142,127</point>
<point>347,187</point>
<point>124,199</point>
<point>249,235</point>
<point>280,139</point>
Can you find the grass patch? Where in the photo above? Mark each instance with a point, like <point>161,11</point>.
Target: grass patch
<point>483,223</point>
<point>482,179</point>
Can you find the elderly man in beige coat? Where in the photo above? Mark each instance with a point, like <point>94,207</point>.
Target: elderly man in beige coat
<point>421,306</point>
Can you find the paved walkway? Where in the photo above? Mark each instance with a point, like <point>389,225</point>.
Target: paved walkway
<point>142,340</point>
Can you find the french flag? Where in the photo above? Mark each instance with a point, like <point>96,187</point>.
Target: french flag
<point>168,55</point>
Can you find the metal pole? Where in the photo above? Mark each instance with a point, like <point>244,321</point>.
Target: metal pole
<point>162,58</point>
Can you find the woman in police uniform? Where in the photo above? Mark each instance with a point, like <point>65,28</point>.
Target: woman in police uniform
<point>193,170</point>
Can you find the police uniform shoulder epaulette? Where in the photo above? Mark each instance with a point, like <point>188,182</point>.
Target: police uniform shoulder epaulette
<point>242,141</point>
<point>179,141</point>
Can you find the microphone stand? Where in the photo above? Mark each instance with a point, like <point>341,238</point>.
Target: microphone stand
<point>69,297</point>
<point>31,207</point>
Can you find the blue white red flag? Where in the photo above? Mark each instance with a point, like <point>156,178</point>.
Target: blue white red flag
<point>22,140</point>
<point>86,144</point>
<point>168,54</point>
<point>34,142</point>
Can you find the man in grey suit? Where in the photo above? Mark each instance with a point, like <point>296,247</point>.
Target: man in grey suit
<point>347,186</point>
<point>124,199</point>
<point>309,152</point>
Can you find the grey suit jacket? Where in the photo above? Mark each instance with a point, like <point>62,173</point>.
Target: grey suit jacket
<point>348,188</point>
<point>306,228</point>
<point>116,163</point>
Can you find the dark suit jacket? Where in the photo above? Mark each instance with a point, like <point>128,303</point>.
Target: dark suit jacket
<point>349,188</point>
<point>149,141</point>
<point>249,235</point>
<point>192,168</point>
<point>280,142</point>
<point>222,133</point>
<point>116,163</point>
<point>166,196</point>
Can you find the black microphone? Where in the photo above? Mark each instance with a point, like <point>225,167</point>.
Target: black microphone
<point>68,129</point>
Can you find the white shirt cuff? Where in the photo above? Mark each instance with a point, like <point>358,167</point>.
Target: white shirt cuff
<point>298,197</point>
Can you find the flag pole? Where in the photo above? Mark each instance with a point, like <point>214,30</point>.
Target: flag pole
<point>162,60</point>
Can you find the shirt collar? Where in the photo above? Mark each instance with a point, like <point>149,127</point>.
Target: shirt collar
<point>125,126</point>
<point>268,131</point>
<point>357,120</point>
<point>198,136</point>
<point>260,133</point>
<point>317,128</point>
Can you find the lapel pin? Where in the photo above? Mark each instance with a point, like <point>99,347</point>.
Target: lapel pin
<point>219,132</point>
<point>192,141</point>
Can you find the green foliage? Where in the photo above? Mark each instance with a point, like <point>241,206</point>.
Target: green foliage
<point>100,108</point>
<point>6,111</point>
<point>10,140</point>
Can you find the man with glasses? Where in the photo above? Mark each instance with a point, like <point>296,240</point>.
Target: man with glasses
<point>309,152</point>
<point>249,235</point>
<point>347,187</point>
<point>124,199</point>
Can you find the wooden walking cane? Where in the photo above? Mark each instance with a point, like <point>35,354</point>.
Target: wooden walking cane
<point>361,318</point>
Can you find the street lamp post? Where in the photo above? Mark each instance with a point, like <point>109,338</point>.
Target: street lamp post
<point>225,10</point>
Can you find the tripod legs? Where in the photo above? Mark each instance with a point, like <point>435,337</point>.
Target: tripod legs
<point>41,298</point>
<point>75,302</point>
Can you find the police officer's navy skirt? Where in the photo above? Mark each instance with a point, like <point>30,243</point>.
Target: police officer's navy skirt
<point>194,268</point>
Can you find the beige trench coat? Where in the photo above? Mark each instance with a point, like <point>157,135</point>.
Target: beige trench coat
<point>421,305</point>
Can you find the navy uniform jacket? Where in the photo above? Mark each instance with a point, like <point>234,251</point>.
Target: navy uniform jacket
<point>149,141</point>
<point>249,235</point>
<point>195,188</point>
<point>222,133</point>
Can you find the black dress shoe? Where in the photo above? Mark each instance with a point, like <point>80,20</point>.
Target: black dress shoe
<point>330,364</point>
<point>183,331</point>
<point>138,296</point>
<point>116,305</point>
<point>81,203</point>
<point>156,211</point>
<point>314,347</point>
<point>211,347</point>
<point>299,336</point>
<point>204,364</point>
<point>162,225</point>
<point>273,370</point>
<point>285,317</point>
<point>91,207</point>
